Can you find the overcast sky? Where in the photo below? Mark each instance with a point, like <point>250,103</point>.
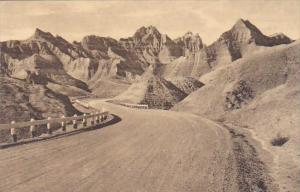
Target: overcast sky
<point>73,20</point>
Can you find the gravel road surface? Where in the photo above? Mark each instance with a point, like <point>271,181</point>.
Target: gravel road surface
<point>148,150</point>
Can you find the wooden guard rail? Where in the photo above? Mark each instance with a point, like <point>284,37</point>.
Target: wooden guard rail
<point>130,105</point>
<point>85,105</point>
<point>90,96</point>
<point>96,117</point>
<point>138,106</point>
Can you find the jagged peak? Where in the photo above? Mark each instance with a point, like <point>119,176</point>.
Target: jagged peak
<point>98,37</point>
<point>192,35</point>
<point>60,38</point>
<point>38,33</point>
<point>188,34</point>
<point>152,29</point>
<point>241,24</point>
<point>246,25</point>
<point>142,31</point>
<point>94,42</point>
<point>98,41</point>
<point>190,41</point>
<point>240,21</point>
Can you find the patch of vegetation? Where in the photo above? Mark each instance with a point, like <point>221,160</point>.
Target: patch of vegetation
<point>279,140</point>
<point>241,94</point>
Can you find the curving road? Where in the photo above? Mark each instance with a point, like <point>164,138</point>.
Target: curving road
<point>148,150</point>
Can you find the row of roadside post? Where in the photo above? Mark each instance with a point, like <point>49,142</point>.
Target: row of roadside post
<point>96,118</point>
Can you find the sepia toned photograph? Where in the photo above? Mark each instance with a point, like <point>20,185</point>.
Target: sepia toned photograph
<point>150,96</point>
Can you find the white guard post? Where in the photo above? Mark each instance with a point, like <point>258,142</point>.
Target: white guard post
<point>49,126</point>
<point>84,120</point>
<point>63,123</point>
<point>13,132</point>
<point>75,122</point>
<point>32,129</point>
<point>92,119</point>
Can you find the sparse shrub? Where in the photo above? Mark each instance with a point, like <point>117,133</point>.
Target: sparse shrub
<point>150,88</point>
<point>240,94</point>
<point>279,140</point>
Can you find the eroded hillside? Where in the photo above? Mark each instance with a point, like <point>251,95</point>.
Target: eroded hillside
<point>261,93</point>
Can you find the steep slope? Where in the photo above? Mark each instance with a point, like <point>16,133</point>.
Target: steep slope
<point>259,92</point>
<point>42,53</point>
<point>21,101</point>
<point>67,90</point>
<point>154,91</point>
<point>193,65</point>
<point>250,76</point>
<point>108,88</point>
<point>157,92</point>
<point>186,84</point>
<point>193,60</point>
<point>96,62</point>
<point>241,40</point>
<point>235,43</point>
<point>126,59</point>
<point>110,57</point>
<point>151,46</point>
<point>32,74</point>
<point>93,56</point>
<point>190,43</point>
<point>122,62</point>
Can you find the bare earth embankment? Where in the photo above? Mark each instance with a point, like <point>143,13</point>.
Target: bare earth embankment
<point>260,94</point>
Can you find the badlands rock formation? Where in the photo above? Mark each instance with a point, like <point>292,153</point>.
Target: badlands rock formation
<point>107,67</point>
<point>151,46</point>
<point>242,39</point>
<point>105,58</point>
<point>236,42</point>
<point>42,53</point>
<point>154,91</point>
<point>157,92</point>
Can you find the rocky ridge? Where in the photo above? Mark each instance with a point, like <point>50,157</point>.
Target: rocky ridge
<point>97,57</point>
<point>100,64</point>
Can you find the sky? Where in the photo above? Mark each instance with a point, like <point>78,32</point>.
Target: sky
<point>117,19</point>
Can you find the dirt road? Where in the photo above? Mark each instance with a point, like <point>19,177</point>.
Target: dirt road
<point>148,150</point>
